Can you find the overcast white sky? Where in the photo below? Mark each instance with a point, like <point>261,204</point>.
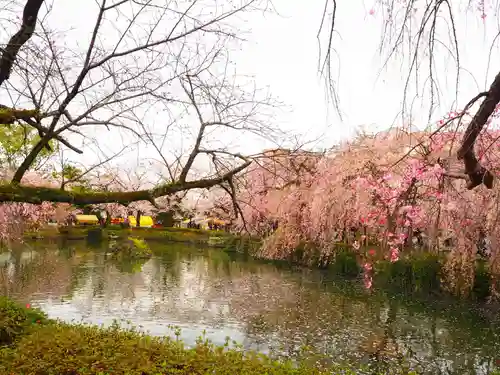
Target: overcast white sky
<point>282,53</point>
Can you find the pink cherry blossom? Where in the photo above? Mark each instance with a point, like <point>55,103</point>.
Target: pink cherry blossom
<point>394,254</point>
<point>378,186</point>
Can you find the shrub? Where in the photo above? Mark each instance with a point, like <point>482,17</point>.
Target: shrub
<point>422,273</point>
<point>482,281</point>
<point>15,320</point>
<point>345,263</point>
<point>418,273</point>
<point>130,248</point>
<point>58,348</point>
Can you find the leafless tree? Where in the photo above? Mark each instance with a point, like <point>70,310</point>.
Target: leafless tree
<point>151,73</point>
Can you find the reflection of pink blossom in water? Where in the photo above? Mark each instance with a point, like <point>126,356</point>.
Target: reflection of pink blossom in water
<point>367,277</point>
<point>368,280</point>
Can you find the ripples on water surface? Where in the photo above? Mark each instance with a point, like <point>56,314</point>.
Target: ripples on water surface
<point>261,306</point>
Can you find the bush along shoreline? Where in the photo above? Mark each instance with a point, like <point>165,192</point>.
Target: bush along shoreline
<point>30,344</point>
<point>416,273</point>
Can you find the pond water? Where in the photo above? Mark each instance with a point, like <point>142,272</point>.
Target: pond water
<point>285,312</point>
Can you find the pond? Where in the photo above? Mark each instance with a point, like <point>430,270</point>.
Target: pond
<point>270,308</point>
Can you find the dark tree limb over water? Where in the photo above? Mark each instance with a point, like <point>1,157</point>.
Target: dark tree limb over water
<point>30,194</point>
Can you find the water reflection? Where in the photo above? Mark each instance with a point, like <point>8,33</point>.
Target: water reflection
<point>259,305</point>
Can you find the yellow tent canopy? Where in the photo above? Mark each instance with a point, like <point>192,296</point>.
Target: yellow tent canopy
<point>86,219</point>
<point>146,221</point>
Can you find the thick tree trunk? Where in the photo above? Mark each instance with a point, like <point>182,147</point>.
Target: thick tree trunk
<point>138,218</point>
<point>473,168</point>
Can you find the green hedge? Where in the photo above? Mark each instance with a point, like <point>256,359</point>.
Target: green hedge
<point>243,244</point>
<point>65,349</point>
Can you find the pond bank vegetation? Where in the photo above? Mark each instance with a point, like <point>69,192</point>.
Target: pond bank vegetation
<point>416,273</point>
<point>32,344</point>
<point>183,235</point>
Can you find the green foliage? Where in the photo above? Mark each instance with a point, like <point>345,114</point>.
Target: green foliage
<point>166,218</point>
<point>422,274</point>
<point>77,349</point>
<point>419,273</point>
<point>413,273</point>
<point>130,248</point>
<point>482,282</point>
<point>16,319</point>
<point>184,235</point>
<point>69,172</point>
<point>243,244</point>
<point>196,236</point>
<point>17,140</point>
<point>78,184</point>
<point>345,263</point>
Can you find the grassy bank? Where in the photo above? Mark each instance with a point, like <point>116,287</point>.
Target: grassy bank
<point>183,235</point>
<point>32,344</point>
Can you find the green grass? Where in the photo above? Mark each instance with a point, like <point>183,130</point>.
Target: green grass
<point>186,235</point>
<point>32,344</point>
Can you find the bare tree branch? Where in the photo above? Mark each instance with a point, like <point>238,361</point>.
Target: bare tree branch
<point>122,85</point>
<point>9,53</point>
